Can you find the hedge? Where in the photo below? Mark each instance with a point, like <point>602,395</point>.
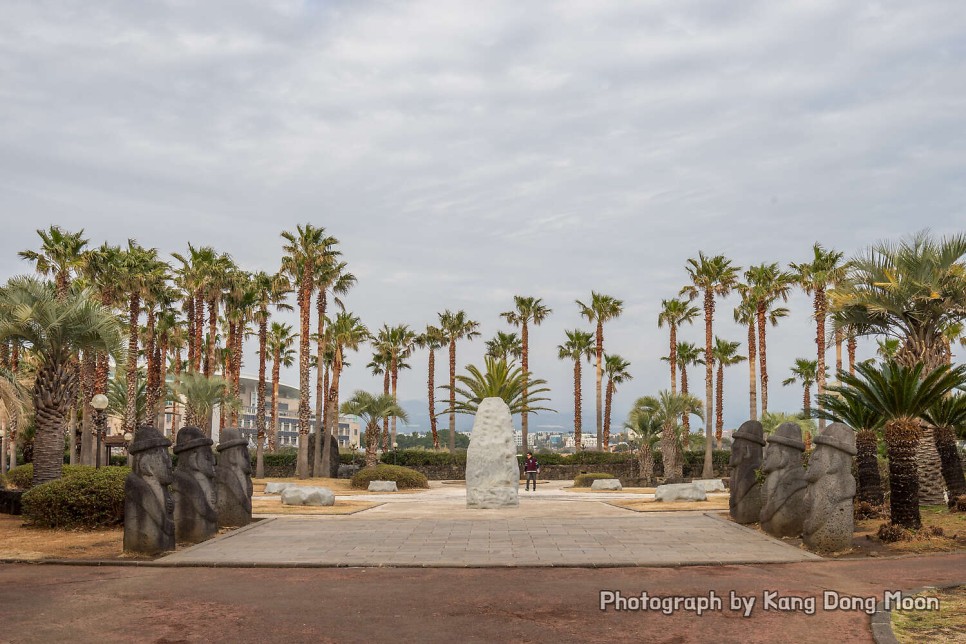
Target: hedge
<point>88,498</point>
<point>289,458</point>
<point>403,476</point>
<point>587,479</point>
<point>22,476</point>
<point>422,457</point>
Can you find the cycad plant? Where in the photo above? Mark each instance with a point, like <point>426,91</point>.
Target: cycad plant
<point>845,405</point>
<point>372,409</point>
<point>949,415</point>
<point>902,395</point>
<point>644,431</point>
<point>498,380</point>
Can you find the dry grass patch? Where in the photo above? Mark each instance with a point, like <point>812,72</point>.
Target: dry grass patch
<point>273,505</point>
<point>650,505</point>
<point>20,542</point>
<point>628,490</point>
<point>338,486</point>
<point>952,524</point>
<point>948,624</point>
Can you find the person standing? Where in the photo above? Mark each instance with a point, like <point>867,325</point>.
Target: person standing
<point>531,468</point>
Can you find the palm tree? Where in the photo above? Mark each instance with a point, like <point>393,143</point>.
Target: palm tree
<point>202,394</point>
<point>54,328</point>
<point>688,355</point>
<point>711,277</point>
<point>815,277</point>
<point>346,333</point>
<point>746,313</point>
<point>579,346</point>
<point>60,256</point>
<point>601,308</point>
<point>845,405</point>
<point>381,365</point>
<point>400,343</point>
<point>372,408</point>
<point>666,408</point>
<point>526,310</point>
<point>14,406</point>
<point>805,372</point>
<point>499,380</point>
<point>279,344</point>
<point>432,340</point>
<point>725,354</point>
<point>504,346</point>
<point>948,415</point>
<point>674,313</point>
<point>767,285</point>
<point>902,395</point>
<point>644,429</point>
<point>616,369</point>
<point>455,326</point>
<point>270,290</point>
<point>117,391</point>
<point>305,250</point>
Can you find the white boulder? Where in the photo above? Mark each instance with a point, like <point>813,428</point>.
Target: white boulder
<point>710,485</point>
<point>680,492</point>
<point>297,495</point>
<point>606,484</point>
<point>276,488</point>
<point>383,486</point>
<point>492,471</point>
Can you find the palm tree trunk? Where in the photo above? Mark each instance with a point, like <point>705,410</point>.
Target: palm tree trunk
<point>525,357</point>
<point>600,377</point>
<point>175,415</point>
<point>212,335</point>
<point>260,395</point>
<point>821,310</point>
<point>752,379</point>
<point>199,327</point>
<point>839,337</point>
<point>762,357</point>
<point>273,428</point>
<point>718,404</point>
<point>431,384</point>
<point>190,314</point>
<point>55,388</point>
<point>867,466</point>
<point>673,356</point>
<point>305,311</point>
<point>386,379</point>
<point>578,424</point>
<point>130,413</point>
<point>708,472</point>
<point>452,395</point>
<point>669,454</point>
<point>851,344</point>
<point>686,418</point>
<point>332,405</point>
<point>952,467</point>
<point>150,387</point>
<point>395,377</point>
<point>645,462</point>
<point>807,399</point>
<point>929,466</point>
<point>372,442</point>
<point>902,437</point>
<point>87,368</point>
<point>72,435</point>
<point>161,381</point>
<point>607,407</point>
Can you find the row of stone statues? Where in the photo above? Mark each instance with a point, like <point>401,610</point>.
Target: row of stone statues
<point>815,503</point>
<point>187,504</point>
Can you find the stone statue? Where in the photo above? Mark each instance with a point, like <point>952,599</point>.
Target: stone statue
<point>783,493</point>
<point>233,480</point>
<point>195,503</point>
<point>744,503</point>
<point>148,507</point>
<point>492,470</point>
<point>828,500</point>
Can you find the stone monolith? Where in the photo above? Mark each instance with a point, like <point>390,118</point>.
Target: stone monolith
<point>233,480</point>
<point>829,520</point>
<point>744,503</point>
<point>783,494</point>
<point>148,506</point>
<point>492,470</point>
<point>195,500</point>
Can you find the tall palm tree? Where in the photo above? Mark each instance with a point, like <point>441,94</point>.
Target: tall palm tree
<point>372,408</point>
<point>902,395</point>
<point>504,346</point>
<point>949,415</point>
<point>498,380</point>
<point>271,289</point>
<point>805,372</point>
<point>688,355</point>
<point>60,256</point>
<point>381,365</point>
<point>815,277</point>
<point>432,340</point>
<point>846,405</point>
<point>54,328</point>
<point>667,408</point>
<point>202,394</point>
<point>305,250</point>
<point>455,326</point>
<point>724,354</point>
<point>711,277</point>
<point>346,333</point>
<point>767,285</point>
<point>746,313</point>
<point>279,344</point>
<point>400,341</point>
<point>674,313</point>
<point>526,311</point>
<point>617,372</point>
<point>600,309</point>
<point>579,346</point>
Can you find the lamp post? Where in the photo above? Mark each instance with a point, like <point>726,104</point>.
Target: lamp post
<point>99,403</point>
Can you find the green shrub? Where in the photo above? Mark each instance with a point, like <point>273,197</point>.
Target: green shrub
<point>21,477</point>
<point>87,498</point>
<point>587,479</point>
<point>423,457</point>
<point>403,476</point>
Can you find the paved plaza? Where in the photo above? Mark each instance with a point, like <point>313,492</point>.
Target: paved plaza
<point>552,527</point>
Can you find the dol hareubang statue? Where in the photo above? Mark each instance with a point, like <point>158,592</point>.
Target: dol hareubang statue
<point>783,494</point>
<point>233,476</point>
<point>744,503</point>
<point>829,520</point>
<point>195,501</point>
<point>148,506</point>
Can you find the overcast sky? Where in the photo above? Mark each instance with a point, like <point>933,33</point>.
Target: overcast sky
<point>464,152</point>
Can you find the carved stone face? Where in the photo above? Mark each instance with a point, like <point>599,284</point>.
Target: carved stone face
<point>774,458</point>
<point>237,459</point>
<point>740,452</point>
<point>819,464</point>
<point>155,463</point>
<point>201,460</point>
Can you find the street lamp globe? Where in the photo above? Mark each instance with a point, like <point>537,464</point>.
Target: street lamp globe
<point>99,402</point>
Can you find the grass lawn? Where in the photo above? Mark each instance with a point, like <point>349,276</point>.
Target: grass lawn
<point>650,505</point>
<point>627,490</point>
<point>953,525</point>
<point>339,486</point>
<point>20,542</point>
<point>948,624</point>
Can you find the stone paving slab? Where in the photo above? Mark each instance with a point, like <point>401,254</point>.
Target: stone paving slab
<point>638,540</point>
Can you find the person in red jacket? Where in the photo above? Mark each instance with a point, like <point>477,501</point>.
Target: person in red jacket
<point>531,467</point>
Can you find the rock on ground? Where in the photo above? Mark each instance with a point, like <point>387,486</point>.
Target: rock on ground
<point>680,492</point>
<point>383,486</point>
<point>276,488</point>
<point>606,484</point>
<point>296,495</point>
<point>710,485</point>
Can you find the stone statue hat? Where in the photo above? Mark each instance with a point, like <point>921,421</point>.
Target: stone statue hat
<point>145,438</point>
<point>190,438</point>
<point>230,438</point>
<point>840,436</point>
<point>751,430</point>
<point>789,434</point>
